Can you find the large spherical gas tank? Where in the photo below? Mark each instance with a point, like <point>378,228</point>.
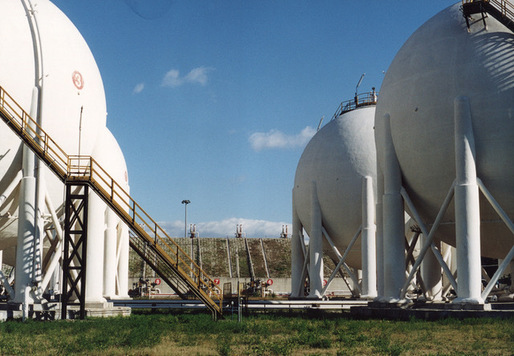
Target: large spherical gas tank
<point>439,62</point>
<point>41,47</point>
<point>336,159</point>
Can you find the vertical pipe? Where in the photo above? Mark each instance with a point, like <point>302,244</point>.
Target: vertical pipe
<point>297,256</point>
<point>37,114</point>
<point>393,233</point>
<point>27,224</point>
<point>368,246</point>
<point>316,248</point>
<point>467,209</point>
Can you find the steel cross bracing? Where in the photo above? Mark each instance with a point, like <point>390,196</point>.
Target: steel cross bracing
<point>501,10</point>
<point>148,239</point>
<point>75,247</point>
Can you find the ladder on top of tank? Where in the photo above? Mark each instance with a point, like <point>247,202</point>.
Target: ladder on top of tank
<point>501,10</point>
<point>147,238</point>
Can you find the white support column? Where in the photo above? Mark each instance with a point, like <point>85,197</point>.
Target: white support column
<point>95,249</point>
<point>297,257</point>
<point>316,248</point>
<point>109,288</point>
<point>467,209</point>
<point>393,234</point>
<point>368,247</point>
<point>380,234</point>
<point>123,262</point>
<point>431,274</point>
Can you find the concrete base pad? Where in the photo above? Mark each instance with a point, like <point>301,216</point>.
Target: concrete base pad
<point>432,311</point>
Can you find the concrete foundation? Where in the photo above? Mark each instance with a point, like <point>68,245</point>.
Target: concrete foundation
<point>432,311</point>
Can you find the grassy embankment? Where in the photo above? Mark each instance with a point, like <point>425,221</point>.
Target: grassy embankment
<point>271,334</point>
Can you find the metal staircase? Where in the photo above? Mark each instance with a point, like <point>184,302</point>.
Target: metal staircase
<point>501,10</point>
<point>147,238</point>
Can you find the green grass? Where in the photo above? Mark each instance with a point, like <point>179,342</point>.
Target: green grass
<point>260,334</point>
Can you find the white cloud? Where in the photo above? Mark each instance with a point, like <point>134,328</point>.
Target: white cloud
<point>274,139</point>
<point>171,79</point>
<point>138,88</point>
<point>196,76</point>
<point>227,227</point>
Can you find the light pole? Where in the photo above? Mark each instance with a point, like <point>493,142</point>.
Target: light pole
<point>185,202</point>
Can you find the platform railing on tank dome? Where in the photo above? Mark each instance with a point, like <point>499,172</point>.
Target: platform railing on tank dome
<point>506,8</point>
<point>86,168</point>
<point>358,101</point>
<point>33,134</point>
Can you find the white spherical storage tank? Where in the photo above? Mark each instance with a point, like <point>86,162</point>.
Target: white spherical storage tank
<point>48,68</point>
<point>331,171</point>
<point>72,94</point>
<point>438,63</point>
<point>445,119</point>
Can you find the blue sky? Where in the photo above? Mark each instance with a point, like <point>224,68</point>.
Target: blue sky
<point>214,101</point>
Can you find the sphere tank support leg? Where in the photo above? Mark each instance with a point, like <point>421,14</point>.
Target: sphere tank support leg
<point>95,250</point>
<point>467,210</point>
<point>368,247</point>
<point>393,238</point>
<point>123,263</point>
<point>316,248</point>
<point>380,235</point>
<point>297,257</point>
<point>109,290</point>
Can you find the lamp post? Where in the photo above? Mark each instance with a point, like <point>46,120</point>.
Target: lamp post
<point>185,202</point>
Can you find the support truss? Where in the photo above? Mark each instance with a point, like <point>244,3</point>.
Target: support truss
<point>75,245</point>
